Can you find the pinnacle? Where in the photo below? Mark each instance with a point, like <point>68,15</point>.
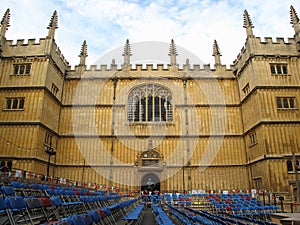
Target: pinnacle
<point>6,17</point>
<point>83,51</point>
<point>294,16</point>
<point>173,50</point>
<point>216,49</point>
<point>127,49</point>
<point>247,20</point>
<point>53,21</point>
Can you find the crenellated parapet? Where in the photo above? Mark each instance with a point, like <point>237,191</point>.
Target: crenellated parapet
<point>34,47</point>
<point>257,46</point>
<point>137,71</point>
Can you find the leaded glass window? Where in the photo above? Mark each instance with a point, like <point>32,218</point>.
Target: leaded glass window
<point>150,103</point>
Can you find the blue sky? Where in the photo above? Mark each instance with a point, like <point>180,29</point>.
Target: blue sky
<point>106,24</point>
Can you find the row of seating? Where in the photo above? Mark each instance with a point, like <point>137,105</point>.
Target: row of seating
<point>135,216</point>
<point>42,203</point>
<point>180,199</point>
<point>160,216</point>
<point>242,205</point>
<point>17,210</point>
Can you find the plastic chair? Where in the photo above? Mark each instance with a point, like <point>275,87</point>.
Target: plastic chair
<point>4,212</point>
<point>36,210</point>
<point>8,190</point>
<point>18,209</point>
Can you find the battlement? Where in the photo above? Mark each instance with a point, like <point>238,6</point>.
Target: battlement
<point>149,67</point>
<point>265,46</point>
<point>23,42</point>
<point>34,47</point>
<point>135,70</point>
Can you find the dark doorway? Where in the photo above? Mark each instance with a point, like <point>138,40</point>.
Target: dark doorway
<point>150,183</point>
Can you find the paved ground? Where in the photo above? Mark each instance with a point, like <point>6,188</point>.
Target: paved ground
<point>149,218</point>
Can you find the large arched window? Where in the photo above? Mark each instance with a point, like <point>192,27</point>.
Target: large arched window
<point>150,103</point>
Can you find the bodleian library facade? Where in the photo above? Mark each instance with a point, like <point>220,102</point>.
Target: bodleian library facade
<point>164,127</point>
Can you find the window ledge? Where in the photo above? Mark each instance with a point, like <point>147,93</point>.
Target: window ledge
<point>251,145</point>
<point>9,110</point>
<point>292,172</point>
<point>281,75</point>
<point>20,75</point>
<point>150,123</point>
<point>283,109</point>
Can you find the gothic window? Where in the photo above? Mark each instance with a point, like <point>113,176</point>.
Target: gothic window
<point>150,103</point>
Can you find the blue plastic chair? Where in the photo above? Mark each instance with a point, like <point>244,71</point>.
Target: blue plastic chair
<point>17,206</point>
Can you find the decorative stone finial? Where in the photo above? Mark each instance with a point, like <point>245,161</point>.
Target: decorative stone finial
<point>295,20</point>
<point>127,53</point>
<point>248,24</point>
<point>83,53</point>
<point>53,25</point>
<point>217,53</point>
<point>5,23</point>
<point>173,53</point>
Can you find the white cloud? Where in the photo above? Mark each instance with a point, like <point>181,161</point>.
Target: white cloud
<point>106,24</point>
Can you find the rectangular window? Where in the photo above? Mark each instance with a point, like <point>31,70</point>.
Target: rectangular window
<point>252,139</point>
<point>286,103</point>
<point>14,103</point>
<point>246,89</point>
<point>22,69</point>
<point>279,69</point>
<point>54,89</point>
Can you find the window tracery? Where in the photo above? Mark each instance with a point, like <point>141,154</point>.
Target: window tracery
<point>150,103</point>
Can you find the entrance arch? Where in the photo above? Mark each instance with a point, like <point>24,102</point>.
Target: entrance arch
<point>150,183</point>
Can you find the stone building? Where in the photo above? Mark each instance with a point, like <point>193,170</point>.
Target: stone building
<point>164,127</point>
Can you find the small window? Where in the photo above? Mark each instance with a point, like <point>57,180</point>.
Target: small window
<point>279,103</point>
<point>292,103</point>
<point>22,69</point>
<point>8,103</point>
<point>252,139</point>
<point>21,104</point>
<point>14,103</point>
<point>28,67</point>
<point>54,89</point>
<point>246,89</point>
<point>289,166</point>
<point>286,103</point>
<point>279,69</point>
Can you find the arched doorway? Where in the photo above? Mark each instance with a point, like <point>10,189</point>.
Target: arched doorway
<point>150,183</point>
